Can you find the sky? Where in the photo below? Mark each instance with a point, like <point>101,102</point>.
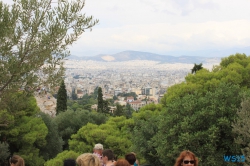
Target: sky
<point>209,28</point>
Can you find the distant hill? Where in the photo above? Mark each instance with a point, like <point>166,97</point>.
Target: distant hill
<point>137,55</point>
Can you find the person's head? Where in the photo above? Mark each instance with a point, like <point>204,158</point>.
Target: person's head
<point>122,162</point>
<point>98,148</point>
<point>69,162</point>
<point>88,159</point>
<point>133,153</point>
<point>16,160</point>
<point>130,157</point>
<point>107,155</point>
<point>186,158</point>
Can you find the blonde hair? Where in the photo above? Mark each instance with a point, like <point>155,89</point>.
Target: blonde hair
<point>17,160</point>
<point>88,159</point>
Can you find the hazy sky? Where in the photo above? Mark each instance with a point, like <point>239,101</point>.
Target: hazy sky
<point>167,27</point>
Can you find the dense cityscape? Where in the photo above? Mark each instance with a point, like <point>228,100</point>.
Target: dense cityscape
<point>148,79</point>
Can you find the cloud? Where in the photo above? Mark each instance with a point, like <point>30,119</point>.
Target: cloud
<point>165,26</point>
<point>169,37</point>
<point>180,7</point>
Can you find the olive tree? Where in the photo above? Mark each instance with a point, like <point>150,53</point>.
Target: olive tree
<point>34,40</point>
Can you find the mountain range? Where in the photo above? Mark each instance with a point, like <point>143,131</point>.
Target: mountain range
<point>137,55</point>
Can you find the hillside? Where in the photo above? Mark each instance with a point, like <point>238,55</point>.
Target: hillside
<point>136,55</point>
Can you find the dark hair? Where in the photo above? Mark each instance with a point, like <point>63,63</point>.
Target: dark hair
<point>108,153</point>
<point>183,154</point>
<point>130,157</point>
<point>69,162</point>
<point>17,160</point>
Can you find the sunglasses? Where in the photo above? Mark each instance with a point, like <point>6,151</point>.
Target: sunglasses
<point>188,161</point>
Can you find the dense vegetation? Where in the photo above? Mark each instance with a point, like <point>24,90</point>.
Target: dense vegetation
<point>207,114</point>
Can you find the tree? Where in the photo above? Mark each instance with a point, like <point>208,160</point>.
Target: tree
<point>4,154</point>
<point>5,119</point>
<point>128,110</point>
<point>27,138</point>
<point>87,107</point>
<point>234,69</point>
<point>199,123</point>
<point>106,108</point>
<point>74,95</point>
<point>115,98</point>
<point>54,143</point>
<point>242,59</point>
<point>128,94</point>
<point>197,115</point>
<point>196,68</point>
<point>58,160</point>
<point>34,39</point>
<point>100,102</point>
<point>26,132</point>
<point>144,129</point>
<point>113,135</point>
<point>241,128</point>
<point>78,118</point>
<point>61,103</point>
<point>119,110</point>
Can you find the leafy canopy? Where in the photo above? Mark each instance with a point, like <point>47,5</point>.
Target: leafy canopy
<point>34,39</point>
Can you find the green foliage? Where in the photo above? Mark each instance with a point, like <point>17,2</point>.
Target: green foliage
<point>27,137</point>
<point>20,104</point>
<point>144,129</point>
<point>88,99</point>
<point>241,59</point>
<point>34,37</point>
<point>201,124</point>
<point>83,103</point>
<point>152,107</point>
<point>54,141</point>
<point>235,70</point>
<point>179,90</point>
<point>128,110</point>
<point>106,107</point>
<point>61,103</point>
<point>119,110</point>
<point>100,103</point>
<point>115,98</point>
<point>241,128</point>
<point>68,126</point>
<point>4,154</point>
<point>58,160</point>
<point>196,68</point>
<point>75,106</point>
<point>113,135</point>
<point>6,119</point>
<point>128,94</point>
<point>74,95</point>
<point>26,132</point>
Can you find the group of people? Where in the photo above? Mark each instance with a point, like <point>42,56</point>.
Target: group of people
<point>101,157</point>
<point>106,157</point>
